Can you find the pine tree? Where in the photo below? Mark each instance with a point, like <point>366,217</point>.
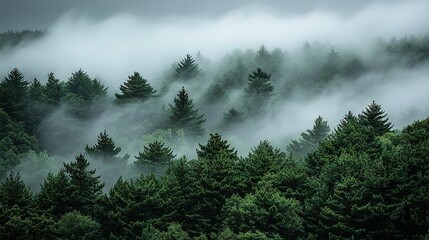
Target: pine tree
<point>136,88</point>
<point>187,68</point>
<point>13,142</point>
<point>54,196</point>
<point>231,118</point>
<point>258,91</point>
<point>216,146</point>
<point>183,115</point>
<point>53,90</point>
<point>310,139</point>
<point>375,118</point>
<point>14,95</point>
<point>331,66</point>
<point>85,96</point>
<point>14,193</point>
<point>105,149</point>
<point>80,85</point>
<point>262,159</point>
<point>35,91</point>
<point>154,152</point>
<point>85,188</point>
<point>263,58</point>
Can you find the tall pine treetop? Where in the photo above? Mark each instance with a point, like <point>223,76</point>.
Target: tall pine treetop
<point>155,152</point>
<point>183,115</point>
<point>215,146</point>
<point>187,68</point>
<point>136,88</point>
<point>374,117</point>
<point>105,148</point>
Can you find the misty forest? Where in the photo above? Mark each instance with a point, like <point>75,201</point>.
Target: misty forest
<point>313,140</point>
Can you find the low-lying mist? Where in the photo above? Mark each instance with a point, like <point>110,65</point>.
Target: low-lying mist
<point>113,48</point>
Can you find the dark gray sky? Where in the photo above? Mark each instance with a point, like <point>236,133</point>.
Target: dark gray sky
<point>41,14</point>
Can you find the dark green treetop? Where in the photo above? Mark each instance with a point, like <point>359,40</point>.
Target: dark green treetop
<point>105,149</point>
<point>374,117</point>
<point>187,68</point>
<point>81,86</point>
<point>258,91</point>
<point>14,95</point>
<point>183,115</point>
<point>35,91</point>
<point>310,139</point>
<point>135,88</point>
<point>53,90</point>
<point>215,146</point>
<point>155,152</point>
<point>85,188</point>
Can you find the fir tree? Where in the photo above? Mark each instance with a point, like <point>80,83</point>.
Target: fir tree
<point>154,152</point>
<point>86,96</point>
<point>136,88</point>
<point>231,118</point>
<point>54,90</point>
<point>375,118</point>
<point>81,86</point>
<point>258,91</point>
<point>14,95</point>
<point>187,68</point>
<point>310,139</point>
<point>85,188</point>
<point>263,58</point>
<point>105,149</point>
<point>35,91</point>
<point>183,115</point>
<point>215,146</point>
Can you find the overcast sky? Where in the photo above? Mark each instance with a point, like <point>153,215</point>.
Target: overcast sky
<point>41,14</point>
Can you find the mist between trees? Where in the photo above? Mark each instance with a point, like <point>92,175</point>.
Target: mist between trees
<point>315,132</point>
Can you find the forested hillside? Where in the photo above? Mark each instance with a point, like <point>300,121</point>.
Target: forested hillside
<point>202,154</point>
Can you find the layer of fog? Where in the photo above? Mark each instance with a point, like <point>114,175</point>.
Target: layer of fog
<point>113,49</point>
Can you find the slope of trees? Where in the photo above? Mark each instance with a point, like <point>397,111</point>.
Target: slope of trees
<point>362,180</point>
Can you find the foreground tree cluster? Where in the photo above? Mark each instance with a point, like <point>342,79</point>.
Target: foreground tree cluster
<point>362,181</point>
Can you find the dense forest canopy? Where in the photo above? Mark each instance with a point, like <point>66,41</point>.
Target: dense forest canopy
<point>107,133</point>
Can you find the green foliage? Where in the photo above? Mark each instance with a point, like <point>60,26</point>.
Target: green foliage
<point>310,139</point>
<point>183,115</point>
<point>75,226</point>
<point>13,142</point>
<point>215,146</point>
<point>262,159</point>
<point>187,68</point>
<point>14,95</point>
<point>375,118</point>
<point>135,88</point>
<point>258,91</point>
<point>54,90</point>
<point>14,193</point>
<point>85,95</point>
<point>155,152</point>
<point>265,211</point>
<point>54,196</point>
<point>85,188</point>
<point>154,157</point>
<point>106,150</point>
